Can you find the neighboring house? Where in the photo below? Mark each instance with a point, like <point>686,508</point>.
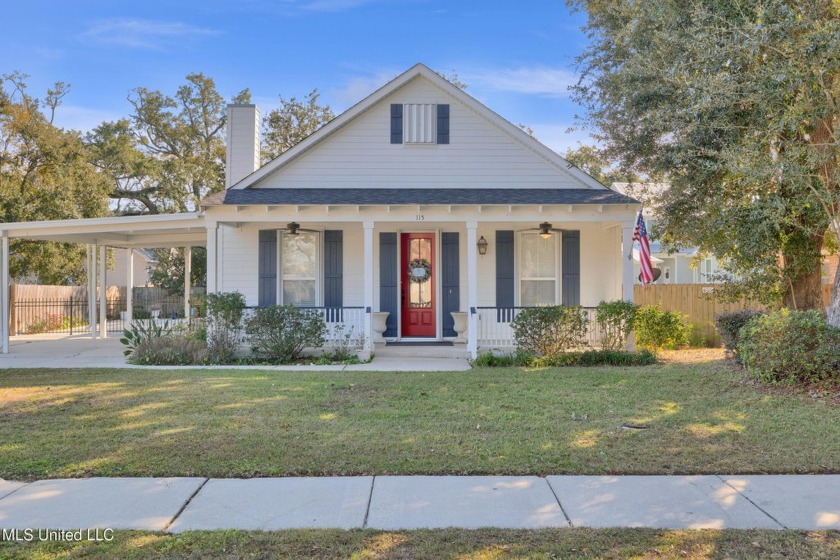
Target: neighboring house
<point>143,261</point>
<point>684,266</point>
<point>418,202</point>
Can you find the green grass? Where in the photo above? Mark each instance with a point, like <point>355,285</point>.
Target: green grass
<point>485,544</point>
<point>701,418</point>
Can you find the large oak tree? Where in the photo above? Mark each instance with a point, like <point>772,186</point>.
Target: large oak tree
<point>737,103</point>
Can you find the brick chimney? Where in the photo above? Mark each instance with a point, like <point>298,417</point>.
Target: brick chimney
<point>243,142</point>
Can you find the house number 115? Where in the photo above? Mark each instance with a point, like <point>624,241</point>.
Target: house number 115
<point>420,217</point>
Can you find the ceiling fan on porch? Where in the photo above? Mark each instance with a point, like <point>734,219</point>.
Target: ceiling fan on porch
<point>293,228</point>
<point>545,230</point>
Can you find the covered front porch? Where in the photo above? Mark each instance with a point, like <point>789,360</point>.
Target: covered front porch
<point>426,266</point>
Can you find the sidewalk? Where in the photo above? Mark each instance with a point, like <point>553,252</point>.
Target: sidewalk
<point>808,502</point>
<point>80,351</point>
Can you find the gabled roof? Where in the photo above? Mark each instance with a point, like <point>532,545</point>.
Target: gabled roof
<point>415,71</point>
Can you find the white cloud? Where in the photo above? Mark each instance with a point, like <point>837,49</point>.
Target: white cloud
<point>143,34</point>
<point>540,80</point>
<point>357,89</point>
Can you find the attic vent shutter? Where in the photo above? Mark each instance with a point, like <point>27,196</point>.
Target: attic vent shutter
<point>396,123</point>
<point>571,267</point>
<point>504,275</point>
<point>443,124</point>
<point>267,273</point>
<point>419,123</point>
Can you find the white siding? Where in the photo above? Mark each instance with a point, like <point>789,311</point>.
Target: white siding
<point>600,263</point>
<point>238,262</point>
<point>360,155</point>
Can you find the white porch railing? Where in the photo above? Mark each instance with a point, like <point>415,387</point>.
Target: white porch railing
<point>494,330</point>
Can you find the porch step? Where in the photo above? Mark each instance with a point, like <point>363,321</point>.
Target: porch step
<point>419,350</point>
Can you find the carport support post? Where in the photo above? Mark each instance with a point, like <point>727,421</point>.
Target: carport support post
<point>212,253</point>
<point>368,276</point>
<point>91,274</point>
<point>187,281</point>
<point>5,328</point>
<point>472,290</point>
<point>129,290</point>
<point>103,285</point>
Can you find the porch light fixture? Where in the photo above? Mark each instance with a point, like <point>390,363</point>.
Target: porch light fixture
<point>482,246</point>
<point>293,227</point>
<point>545,230</point>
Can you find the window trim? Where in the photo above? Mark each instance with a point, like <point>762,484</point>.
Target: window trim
<point>319,268</point>
<point>517,272</point>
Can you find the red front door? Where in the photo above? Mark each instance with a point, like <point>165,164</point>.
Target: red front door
<point>418,285</point>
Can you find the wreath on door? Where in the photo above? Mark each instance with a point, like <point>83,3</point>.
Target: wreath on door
<point>419,271</point>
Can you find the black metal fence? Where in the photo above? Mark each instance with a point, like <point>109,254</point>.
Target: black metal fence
<point>71,315</point>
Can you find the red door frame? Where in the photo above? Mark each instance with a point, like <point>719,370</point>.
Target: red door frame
<point>417,322</point>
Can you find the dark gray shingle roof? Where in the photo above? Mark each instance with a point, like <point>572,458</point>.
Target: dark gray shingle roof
<point>423,196</point>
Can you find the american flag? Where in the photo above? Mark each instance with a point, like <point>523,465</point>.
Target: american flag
<point>640,235</point>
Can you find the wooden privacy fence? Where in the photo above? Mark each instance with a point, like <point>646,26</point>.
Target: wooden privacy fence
<point>689,300</point>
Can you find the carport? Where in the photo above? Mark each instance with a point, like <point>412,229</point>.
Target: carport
<point>127,232</point>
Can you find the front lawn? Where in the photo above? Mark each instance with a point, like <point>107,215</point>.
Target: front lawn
<point>701,418</point>
<point>484,544</point>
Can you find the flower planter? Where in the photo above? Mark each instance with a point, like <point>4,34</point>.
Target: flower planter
<point>379,325</point>
<point>460,326</point>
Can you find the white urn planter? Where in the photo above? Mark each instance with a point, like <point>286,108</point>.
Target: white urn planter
<point>460,326</point>
<point>379,325</point>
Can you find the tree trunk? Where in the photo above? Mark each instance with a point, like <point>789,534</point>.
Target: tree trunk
<point>805,290</point>
<point>833,309</point>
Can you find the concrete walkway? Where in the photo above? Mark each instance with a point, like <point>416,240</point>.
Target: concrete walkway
<point>81,351</point>
<point>412,502</point>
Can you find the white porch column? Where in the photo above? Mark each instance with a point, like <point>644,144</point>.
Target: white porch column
<point>472,290</point>
<point>187,280</point>
<point>627,261</point>
<point>129,290</point>
<point>212,253</point>
<point>91,273</point>
<point>5,311</point>
<point>103,285</point>
<point>368,282</point>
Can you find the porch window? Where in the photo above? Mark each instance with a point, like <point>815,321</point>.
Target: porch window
<point>299,269</point>
<point>537,270</point>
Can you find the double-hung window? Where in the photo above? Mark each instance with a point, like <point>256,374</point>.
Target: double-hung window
<point>299,270</point>
<point>537,269</point>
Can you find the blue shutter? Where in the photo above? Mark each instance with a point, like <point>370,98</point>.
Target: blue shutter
<point>571,267</point>
<point>443,124</point>
<point>267,257</point>
<point>504,275</point>
<point>334,272</point>
<point>450,280</point>
<point>396,123</point>
<point>388,296</point>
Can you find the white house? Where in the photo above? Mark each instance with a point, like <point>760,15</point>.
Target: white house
<point>417,170</point>
<point>418,201</point>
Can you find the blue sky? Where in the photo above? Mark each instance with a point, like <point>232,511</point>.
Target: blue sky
<point>516,57</point>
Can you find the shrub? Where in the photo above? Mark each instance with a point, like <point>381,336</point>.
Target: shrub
<point>615,322</point>
<point>510,359</point>
<point>345,345</point>
<point>730,324</point>
<point>591,358</point>
<point>280,333</point>
<point>170,351</point>
<point>141,331</point>
<point>224,325</point>
<point>656,329</point>
<point>549,331</point>
<point>790,346</point>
